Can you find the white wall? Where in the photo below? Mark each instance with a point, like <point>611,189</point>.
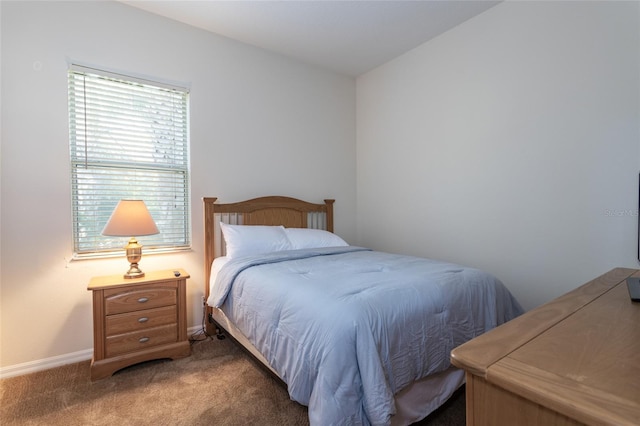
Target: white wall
<point>261,124</point>
<point>510,143</point>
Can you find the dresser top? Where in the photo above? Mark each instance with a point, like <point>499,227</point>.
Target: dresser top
<point>578,354</point>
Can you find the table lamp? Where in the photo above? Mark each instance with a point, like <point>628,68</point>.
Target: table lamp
<point>129,219</point>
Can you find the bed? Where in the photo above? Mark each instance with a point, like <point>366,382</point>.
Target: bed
<point>356,335</point>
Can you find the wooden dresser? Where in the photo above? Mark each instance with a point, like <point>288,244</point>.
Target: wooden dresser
<point>574,360</point>
<point>138,319</point>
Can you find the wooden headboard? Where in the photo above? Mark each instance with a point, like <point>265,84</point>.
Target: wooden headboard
<point>274,210</point>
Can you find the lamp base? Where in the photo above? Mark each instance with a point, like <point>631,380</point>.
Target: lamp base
<point>134,254</point>
<point>134,272</point>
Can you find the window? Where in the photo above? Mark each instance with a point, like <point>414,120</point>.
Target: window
<point>128,140</point>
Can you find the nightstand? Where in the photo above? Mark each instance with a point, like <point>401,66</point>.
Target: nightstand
<point>136,320</point>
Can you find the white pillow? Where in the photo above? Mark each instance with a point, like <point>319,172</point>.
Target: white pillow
<point>303,238</point>
<point>248,240</point>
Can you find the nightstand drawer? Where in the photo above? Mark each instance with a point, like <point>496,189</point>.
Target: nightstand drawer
<point>138,298</point>
<point>140,340</point>
<point>139,320</point>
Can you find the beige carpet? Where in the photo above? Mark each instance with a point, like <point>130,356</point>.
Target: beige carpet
<point>217,385</point>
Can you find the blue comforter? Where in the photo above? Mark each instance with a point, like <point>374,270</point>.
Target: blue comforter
<point>347,328</point>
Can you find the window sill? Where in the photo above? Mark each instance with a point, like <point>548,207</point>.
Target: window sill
<point>121,253</point>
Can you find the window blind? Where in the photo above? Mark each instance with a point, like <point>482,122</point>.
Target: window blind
<point>128,140</point>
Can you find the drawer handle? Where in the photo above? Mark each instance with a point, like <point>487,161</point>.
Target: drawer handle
<point>143,340</point>
<point>143,319</point>
<point>143,299</point>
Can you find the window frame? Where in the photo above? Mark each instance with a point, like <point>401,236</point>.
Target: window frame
<point>171,170</point>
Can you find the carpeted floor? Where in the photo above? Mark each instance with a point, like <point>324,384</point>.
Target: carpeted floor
<point>217,385</point>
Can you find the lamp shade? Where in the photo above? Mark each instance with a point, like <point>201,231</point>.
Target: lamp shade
<point>130,218</point>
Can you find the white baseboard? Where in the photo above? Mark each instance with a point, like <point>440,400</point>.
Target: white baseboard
<point>57,361</point>
<point>45,364</point>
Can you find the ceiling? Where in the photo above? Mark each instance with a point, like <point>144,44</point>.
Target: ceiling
<point>349,37</point>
